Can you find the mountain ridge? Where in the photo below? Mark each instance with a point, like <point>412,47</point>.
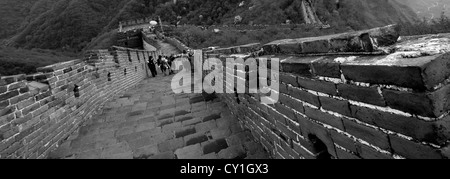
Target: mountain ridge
<point>73,24</point>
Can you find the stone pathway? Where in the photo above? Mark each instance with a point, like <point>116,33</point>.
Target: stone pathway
<point>151,122</point>
<point>168,49</point>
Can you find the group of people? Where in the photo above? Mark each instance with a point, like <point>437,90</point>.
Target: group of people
<point>163,62</point>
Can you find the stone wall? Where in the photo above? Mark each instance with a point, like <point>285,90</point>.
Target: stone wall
<point>176,43</point>
<point>135,22</point>
<point>130,39</point>
<point>39,111</point>
<point>348,97</point>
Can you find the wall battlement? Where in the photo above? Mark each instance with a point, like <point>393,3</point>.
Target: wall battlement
<point>384,100</point>
<point>39,111</point>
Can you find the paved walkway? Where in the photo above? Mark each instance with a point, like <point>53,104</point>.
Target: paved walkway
<point>151,122</point>
<point>168,49</point>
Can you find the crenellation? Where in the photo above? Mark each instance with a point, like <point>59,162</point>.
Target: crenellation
<point>38,111</point>
<point>359,105</point>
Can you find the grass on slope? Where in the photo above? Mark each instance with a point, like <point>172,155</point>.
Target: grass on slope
<point>19,61</point>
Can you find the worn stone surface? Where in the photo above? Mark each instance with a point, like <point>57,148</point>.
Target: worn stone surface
<point>360,41</point>
<point>141,124</point>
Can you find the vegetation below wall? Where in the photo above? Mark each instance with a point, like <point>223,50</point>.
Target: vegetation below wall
<point>103,41</point>
<point>20,61</point>
<point>16,61</point>
<point>71,25</point>
<point>195,37</point>
<point>440,25</point>
<point>77,25</point>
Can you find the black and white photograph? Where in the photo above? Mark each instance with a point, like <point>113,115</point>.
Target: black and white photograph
<point>223,81</point>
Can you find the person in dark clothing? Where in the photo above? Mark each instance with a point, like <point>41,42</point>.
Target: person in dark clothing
<point>162,63</point>
<point>151,66</point>
<point>159,60</point>
<point>170,61</point>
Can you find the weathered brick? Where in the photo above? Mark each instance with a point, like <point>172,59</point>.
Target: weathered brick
<point>13,130</point>
<point>417,76</point>
<point>40,110</point>
<point>46,100</point>
<point>292,103</point>
<point>43,95</point>
<point>7,118</point>
<point>345,155</point>
<point>287,147</point>
<point>12,79</point>
<point>6,111</point>
<point>31,108</point>
<point>318,85</point>
<point>3,89</point>
<point>19,98</point>
<point>410,126</point>
<point>290,48</point>
<point>298,66</point>
<point>302,151</point>
<point>25,103</point>
<point>220,133</point>
<point>367,95</point>
<point>171,145</point>
<point>280,153</point>
<point>276,116</point>
<point>335,105</point>
<point>283,128</point>
<point>401,76</point>
<point>326,67</point>
<point>287,78</point>
<point>189,152</point>
<point>367,152</point>
<point>195,139</point>
<point>233,152</point>
<point>316,46</point>
<point>215,146</point>
<point>413,150</point>
<point>211,117</point>
<point>324,117</point>
<point>3,82</point>
<point>425,104</point>
<point>304,96</point>
<point>184,132</point>
<point>344,141</point>
<point>24,90</point>
<point>283,89</point>
<point>285,111</point>
<point>67,70</point>
<point>15,86</point>
<point>4,104</point>
<point>13,148</point>
<point>368,134</point>
<point>206,126</point>
<point>8,95</point>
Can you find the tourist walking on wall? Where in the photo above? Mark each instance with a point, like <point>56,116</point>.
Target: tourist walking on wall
<point>163,65</point>
<point>152,67</point>
<point>170,61</point>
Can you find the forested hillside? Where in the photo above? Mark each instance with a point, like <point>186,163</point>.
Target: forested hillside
<point>12,14</point>
<point>76,25</point>
<point>429,9</point>
<point>71,24</point>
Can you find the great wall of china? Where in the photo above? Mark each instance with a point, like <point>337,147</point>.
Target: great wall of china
<point>346,96</point>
